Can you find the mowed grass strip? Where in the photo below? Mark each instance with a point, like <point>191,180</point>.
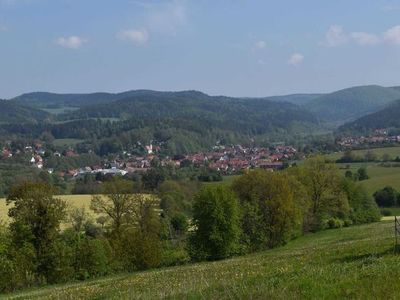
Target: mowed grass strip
<point>356,262</point>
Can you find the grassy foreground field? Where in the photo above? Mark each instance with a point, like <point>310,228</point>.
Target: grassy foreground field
<point>356,262</point>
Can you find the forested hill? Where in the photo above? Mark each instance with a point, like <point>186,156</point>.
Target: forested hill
<point>352,103</point>
<point>13,113</point>
<point>54,100</point>
<point>385,118</point>
<point>183,122</point>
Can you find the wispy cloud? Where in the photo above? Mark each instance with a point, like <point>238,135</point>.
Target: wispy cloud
<point>260,45</point>
<point>71,42</point>
<point>335,36</point>
<point>365,38</point>
<point>392,35</point>
<point>3,28</point>
<point>137,36</point>
<point>296,59</point>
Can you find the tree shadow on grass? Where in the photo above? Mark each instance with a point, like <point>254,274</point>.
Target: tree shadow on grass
<point>366,258</point>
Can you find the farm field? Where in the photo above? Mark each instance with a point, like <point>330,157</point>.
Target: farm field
<point>356,262</point>
<point>74,201</point>
<point>391,151</point>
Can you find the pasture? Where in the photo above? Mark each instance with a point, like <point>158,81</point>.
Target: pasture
<point>379,152</point>
<point>379,176</point>
<point>356,262</point>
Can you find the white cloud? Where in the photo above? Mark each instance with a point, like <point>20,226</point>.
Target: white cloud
<point>137,36</point>
<point>71,42</point>
<point>335,36</point>
<point>365,39</point>
<point>392,35</point>
<point>260,45</point>
<point>296,59</point>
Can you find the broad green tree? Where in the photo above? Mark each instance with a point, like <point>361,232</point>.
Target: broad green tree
<point>216,222</point>
<point>36,216</point>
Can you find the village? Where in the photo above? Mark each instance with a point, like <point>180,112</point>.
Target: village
<point>379,136</point>
<point>226,160</point>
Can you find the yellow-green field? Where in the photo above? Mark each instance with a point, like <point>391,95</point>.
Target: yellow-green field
<point>73,201</point>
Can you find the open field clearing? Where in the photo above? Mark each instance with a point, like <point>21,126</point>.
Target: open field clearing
<point>74,201</point>
<point>379,176</point>
<point>356,262</point>
<point>391,151</point>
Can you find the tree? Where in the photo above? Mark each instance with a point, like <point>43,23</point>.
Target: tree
<point>117,202</point>
<point>362,174</point>
<point>363,207</point>
<point>216,220</point>
<point>268,207</point>
<point>349,174</point>
<point>322,182</point>
<point>386,197</point>
<point>36,217</point>
<point>141,244</point>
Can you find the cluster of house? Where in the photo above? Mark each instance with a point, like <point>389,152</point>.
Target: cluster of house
<point>380,136</point>
<point>231,159</point>
<point>225,159</point>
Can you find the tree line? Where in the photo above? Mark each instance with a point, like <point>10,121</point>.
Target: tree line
<point>46,243</point>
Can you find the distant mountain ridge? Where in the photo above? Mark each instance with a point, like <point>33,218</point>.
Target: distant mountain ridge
<point>14,113</point>
<point>335,108</point>
<point>352,103</point>
<point>388,117</point>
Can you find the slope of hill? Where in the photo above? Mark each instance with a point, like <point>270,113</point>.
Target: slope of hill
<point>355,262</point>
<point>15,113</point>
<point>54,100</point>
<point>184,122</point>
<point>385,118</point>
<point>299,99</point>
<point>349,104</point>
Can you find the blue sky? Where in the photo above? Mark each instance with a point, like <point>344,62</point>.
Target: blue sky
<point>229,47</point>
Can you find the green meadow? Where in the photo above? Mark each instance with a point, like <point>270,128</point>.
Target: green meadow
<point>356,262</point>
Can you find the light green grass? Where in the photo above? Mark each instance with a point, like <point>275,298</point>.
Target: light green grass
<point>379,176</point>
<point>391,151</point>
<point>349,263</point>
<point>66,142</point>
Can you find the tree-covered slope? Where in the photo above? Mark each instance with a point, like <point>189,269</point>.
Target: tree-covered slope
<point>299,99</point>
<point>15,113</point>
<point>352,103</point>
<point>356,262</point>
<point>198,110</point>
<point>385,118</point>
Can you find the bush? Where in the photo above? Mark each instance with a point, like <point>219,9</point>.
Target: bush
<point>386,212</point>
<point>335,223</point>
<point>386,197</point>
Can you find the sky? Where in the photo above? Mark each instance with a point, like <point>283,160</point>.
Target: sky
<point>221,47</point>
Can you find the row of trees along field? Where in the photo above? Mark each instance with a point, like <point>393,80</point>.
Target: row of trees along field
<point>46,243</point>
